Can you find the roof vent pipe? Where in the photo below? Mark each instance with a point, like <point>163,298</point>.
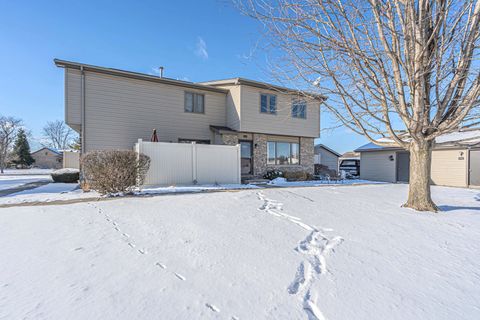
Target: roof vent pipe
<point>160,72</point>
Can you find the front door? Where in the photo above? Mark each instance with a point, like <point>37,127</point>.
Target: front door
<point>474,168</point>
<point>246,157</point>
<point>403,166</point>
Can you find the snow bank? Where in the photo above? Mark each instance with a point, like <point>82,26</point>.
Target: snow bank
<point>66,170</point>
<point>194,188</point>
<point>282,182</point>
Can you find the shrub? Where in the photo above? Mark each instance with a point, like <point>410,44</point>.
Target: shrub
<point>322,170</point>
<point>297,176</point>
<point>114,171</point>
<point>66,175</point>
<point>272,174</point>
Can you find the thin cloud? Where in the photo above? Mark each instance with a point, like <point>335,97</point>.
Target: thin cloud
<point>155,71</point>
<point>201,49</point>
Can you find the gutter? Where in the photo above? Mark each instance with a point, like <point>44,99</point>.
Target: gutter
<point>82,107</point>
<point>135,75</point>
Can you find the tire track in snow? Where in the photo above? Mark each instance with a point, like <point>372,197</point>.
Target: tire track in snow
<point>316,247</point>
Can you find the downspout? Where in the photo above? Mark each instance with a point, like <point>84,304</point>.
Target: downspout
<point>82,106</point>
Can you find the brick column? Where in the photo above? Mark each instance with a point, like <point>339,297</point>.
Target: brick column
<point>259,154</point>
<point>307,154</point>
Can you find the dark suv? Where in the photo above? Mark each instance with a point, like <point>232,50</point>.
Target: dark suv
<point>351,167</point>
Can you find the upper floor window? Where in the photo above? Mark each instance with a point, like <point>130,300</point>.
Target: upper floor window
<point>194,102</point>
<point>299,108</point>
<point>268,103</point>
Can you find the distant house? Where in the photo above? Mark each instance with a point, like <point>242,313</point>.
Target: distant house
<point>47,158</point>
<point>455,161</point>
<point>350,155</point>
<point>326,156</point>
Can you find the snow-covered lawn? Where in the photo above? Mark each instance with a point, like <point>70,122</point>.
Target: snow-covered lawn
<point>340,252</point>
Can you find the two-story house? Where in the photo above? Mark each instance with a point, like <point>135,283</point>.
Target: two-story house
<point>112,109</point>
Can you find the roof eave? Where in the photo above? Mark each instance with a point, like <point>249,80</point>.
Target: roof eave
<point>134,75</point>
<point>263,85</point>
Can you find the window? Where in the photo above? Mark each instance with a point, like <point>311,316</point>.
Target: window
<point>268,103</point>
<point>283,153</point>
<point>299,108</point>
<point>194,102</point>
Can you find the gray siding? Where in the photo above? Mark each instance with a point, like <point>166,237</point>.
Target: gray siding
<point>120,110</point>
<point>327,158</point>
<point>252,120</point>
<point>73,115</point>
<point>377,166</point>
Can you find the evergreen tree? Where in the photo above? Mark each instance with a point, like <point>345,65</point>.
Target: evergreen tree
<point>21,150</point>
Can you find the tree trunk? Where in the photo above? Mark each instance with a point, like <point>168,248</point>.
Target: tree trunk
<point>419,196</point>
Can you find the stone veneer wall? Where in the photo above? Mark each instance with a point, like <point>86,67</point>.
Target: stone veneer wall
<point>230,139</point>
<point>260,166</point>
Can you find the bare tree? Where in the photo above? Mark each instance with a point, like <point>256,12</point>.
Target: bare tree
<point>57,135</point>
<point>8,131</point>
<point>399,72</point>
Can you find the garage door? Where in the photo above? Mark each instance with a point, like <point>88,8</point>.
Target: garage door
<point>403,166</point>
<point>474,168</point>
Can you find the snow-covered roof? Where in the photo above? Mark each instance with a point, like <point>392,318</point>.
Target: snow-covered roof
<point>350,155</point>
<point>51,149</point>
<point>328,149</point>
<point>464,138</point>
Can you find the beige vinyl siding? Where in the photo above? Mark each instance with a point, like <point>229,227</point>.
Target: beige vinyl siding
<point>327,158</point>
<point>73,100</point>
<point>120,110</point>
<point>377,166</point>
<point>283,139</point>
<point>252,120</point>
<point>47,159</point>
<point>233,107</point>
<point>448,169</point>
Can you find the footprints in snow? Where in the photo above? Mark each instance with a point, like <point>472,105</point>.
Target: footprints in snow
<point>129,242</point>
<point>212,307</point>
<point>315,247</point>
<point>275,208</point>
<point>160,265</point>
<point>179,276</point>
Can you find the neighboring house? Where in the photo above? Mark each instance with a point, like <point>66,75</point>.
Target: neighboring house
<point>327,157</point>
<point>112,109</point>
<point>349,155</point>
<point>455,161</point>
<point>47,158</point>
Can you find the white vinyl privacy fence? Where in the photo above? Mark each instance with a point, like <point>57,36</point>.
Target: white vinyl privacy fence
<point>190,163</point>
<point>71,159</point>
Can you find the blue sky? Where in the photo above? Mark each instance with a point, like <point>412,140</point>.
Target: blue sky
<point>194,40</point>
